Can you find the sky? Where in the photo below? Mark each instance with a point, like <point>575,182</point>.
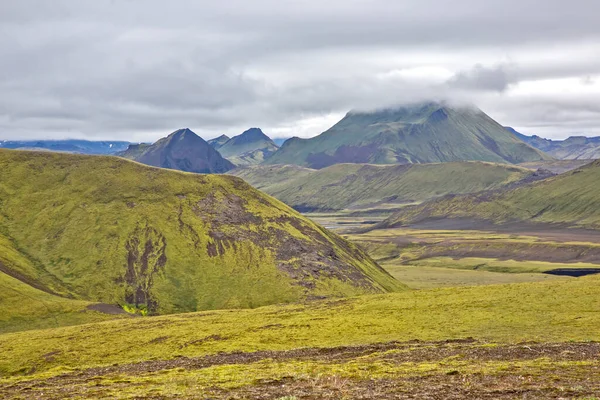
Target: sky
<point>139,69</point>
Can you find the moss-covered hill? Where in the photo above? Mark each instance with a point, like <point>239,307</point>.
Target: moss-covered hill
<point>114,231</point>
<point>361,185</point>
<point>570,199</point>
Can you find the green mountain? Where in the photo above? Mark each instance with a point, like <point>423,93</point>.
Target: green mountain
<point>570,199</point>
<point>216,143</point>
<point>572,148</point>
<point>249,148</point>
<point>108,230</point>
<point>182,150</point>
<point>344,186</point>
<point>422,133</point>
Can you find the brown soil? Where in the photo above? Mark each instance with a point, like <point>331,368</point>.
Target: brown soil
<point>561,382</point>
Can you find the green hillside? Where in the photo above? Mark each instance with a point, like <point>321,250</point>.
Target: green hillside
<point>421,133</point>
<point>109,230</point>
<point>345,186</point>
<point>25,307</point>
<point>568,199</point>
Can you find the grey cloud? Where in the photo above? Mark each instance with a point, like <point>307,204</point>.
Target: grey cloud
<point>136,68</point>
<point>495,78</point>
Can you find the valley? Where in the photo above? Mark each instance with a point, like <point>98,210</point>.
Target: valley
<point>305,200</point>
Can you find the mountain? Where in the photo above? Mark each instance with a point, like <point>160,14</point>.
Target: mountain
<point>572,148</point>
<point>69,146</point>
<point>421,133</point>
<point>216,143</point>
<point>182,150</point>
<point>250,147</point>
<point>570,199</point>
<point>105,229</point>
<point>351,186</point>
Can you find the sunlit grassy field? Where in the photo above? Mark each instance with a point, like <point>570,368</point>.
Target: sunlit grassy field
<point>561,311</point>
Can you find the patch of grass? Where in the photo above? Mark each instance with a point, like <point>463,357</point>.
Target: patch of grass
<point>420,276</point>
<point>494,265</point>
<point>24,307</point>
<point>561,310</point>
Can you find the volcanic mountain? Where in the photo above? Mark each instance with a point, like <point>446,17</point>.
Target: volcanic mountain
<point>421,133</point>
<point>250,147</point>
<point>182,150</point>
<point>105,229</point>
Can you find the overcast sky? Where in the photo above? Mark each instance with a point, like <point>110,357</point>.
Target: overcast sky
<point>139,69</point>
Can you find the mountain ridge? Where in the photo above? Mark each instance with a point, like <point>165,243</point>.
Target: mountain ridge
<point>571,148</point>
<point>567,200</point>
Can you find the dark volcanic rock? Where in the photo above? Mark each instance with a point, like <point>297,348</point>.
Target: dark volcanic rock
<point>185,151</point>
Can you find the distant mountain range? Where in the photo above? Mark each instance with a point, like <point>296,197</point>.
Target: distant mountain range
<point>249,148</point>
<point>182,150</point>
<point>421,133</point>
<point>572,148</point>
<point>68,146</point>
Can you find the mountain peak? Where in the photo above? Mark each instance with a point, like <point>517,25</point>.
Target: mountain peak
<point>253,134</point>
<point>183,132</point>
<point>250,147</point>
<point>182,150</point>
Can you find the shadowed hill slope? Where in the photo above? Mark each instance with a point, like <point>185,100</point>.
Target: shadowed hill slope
<point>109,230</point>
<point>248,148</point>
<point>217,142</point>
<point>421,133</point>
<point>182,150</point>
<point>344,186</point>
<point>569,199</point>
